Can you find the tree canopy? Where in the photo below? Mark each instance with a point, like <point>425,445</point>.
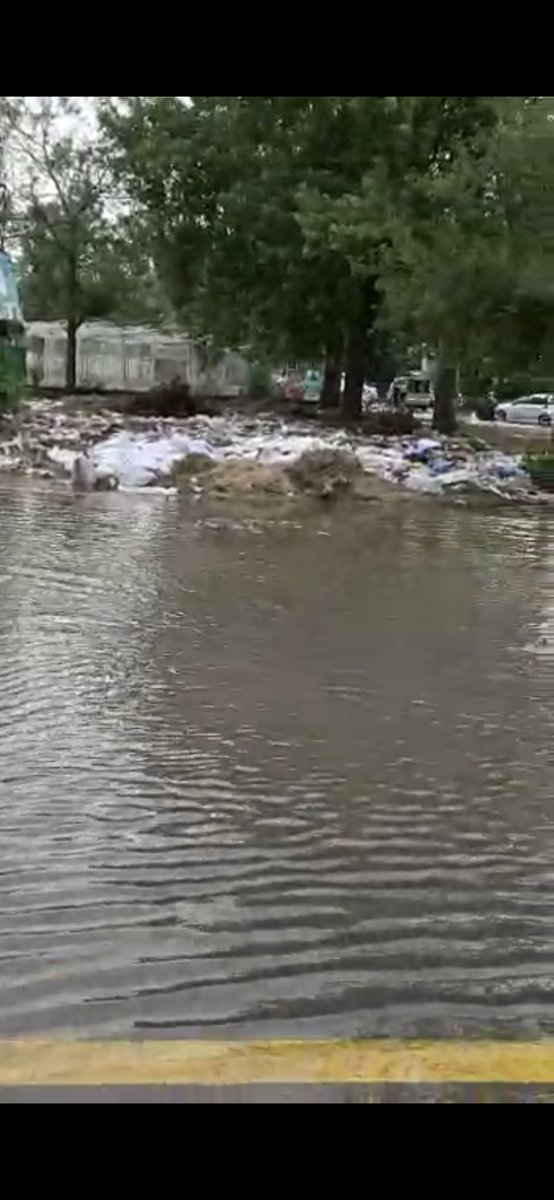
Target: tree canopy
<point>342,229</point>
<point>77,259</point>
<point>304,225</point>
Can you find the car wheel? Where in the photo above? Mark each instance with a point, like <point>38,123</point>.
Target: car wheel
<point>545,419</point>
<point>500,414</point>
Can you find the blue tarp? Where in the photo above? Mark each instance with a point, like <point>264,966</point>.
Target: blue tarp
<point>10,309</point>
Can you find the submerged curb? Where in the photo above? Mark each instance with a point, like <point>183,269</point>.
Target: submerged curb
<point>32,1062</point>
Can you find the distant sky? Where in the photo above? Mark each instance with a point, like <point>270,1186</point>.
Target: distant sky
<point>83,127</point>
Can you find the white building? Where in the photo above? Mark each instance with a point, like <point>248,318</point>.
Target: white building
<point>129,358</point>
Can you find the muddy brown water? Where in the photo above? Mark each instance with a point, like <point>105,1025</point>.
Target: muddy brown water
<point>274,777</point>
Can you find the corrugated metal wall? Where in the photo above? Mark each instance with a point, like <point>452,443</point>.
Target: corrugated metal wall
<point>131,358</point>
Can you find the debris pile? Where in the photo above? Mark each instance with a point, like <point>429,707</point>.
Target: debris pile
<point>236,479</point>
<point>137,452</point>
<point>438,465</point>
<point>325,473</point>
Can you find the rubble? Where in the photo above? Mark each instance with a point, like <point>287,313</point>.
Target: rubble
<point>137,452</point>
<point>246,479</point>
<point>325,473</point>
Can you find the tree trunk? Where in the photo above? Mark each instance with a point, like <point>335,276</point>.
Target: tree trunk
<point>351,402</point>
<point>71,354</point>
<point>330,390</point>
<point>444,414</point>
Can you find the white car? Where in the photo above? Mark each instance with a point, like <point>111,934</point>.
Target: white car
<point>537,409</point>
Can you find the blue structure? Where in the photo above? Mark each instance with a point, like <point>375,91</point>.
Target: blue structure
<point>10,308</point>
<point>12,350</point>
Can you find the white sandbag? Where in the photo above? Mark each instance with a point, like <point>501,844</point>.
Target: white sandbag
<point>83,474</point>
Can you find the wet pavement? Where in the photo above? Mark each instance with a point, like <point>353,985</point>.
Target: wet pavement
<point>274,779</point>
<point>281,1094</point>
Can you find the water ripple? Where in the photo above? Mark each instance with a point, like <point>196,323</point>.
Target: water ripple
<point>269,782</point>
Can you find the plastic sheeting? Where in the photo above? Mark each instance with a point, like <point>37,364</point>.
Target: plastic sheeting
<point>139,459</point>
<point>424,464</point>
<point>141,453</point>
<point>138,462</point>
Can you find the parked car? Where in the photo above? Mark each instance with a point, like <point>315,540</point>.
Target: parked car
<point>413,391</point>
<point>537,409</point>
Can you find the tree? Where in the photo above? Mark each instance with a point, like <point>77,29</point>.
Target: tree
<point>273,217</point>
<point>218,181</point>
<point>83,270</point>
<point>78,259</point>
<point>400,225</point>
<point>458,224</point>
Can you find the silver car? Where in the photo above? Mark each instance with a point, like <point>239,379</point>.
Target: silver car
<point>537,409</point>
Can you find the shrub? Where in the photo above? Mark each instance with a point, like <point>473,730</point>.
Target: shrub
<point>541,469</point>
<point>259,381</point>
<point>168,400</point>
<point>483,407</point>
<point>12,375</point>
<point>390,422</point>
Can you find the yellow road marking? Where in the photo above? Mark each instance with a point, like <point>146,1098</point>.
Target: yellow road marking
<point>81,1063</point>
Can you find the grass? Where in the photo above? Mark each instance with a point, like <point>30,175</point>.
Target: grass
<point>540,466</point>
<point>190,466</point>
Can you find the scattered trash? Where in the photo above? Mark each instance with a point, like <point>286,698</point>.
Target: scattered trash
<point>422,449</point>
<point>156,452</point>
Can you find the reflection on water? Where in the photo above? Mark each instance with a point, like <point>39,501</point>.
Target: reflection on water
<point>274,778</point>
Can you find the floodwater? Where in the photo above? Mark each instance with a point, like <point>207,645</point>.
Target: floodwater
<point>274,778</point>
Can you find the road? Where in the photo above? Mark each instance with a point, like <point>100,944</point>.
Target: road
<point>282,1094</point>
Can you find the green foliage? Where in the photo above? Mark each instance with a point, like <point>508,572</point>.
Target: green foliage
<point>456,219</point>
<point>309,228</point>
<point>541,469</point>
<point>259,381</point>
<point>474,274</point>
<point>319,227</point>
<point>84,269</point>
<point>218,181</point>
<point>12,375</point>
<point>523,385</point>
<point>295,224</point>
<point>79,256</point>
